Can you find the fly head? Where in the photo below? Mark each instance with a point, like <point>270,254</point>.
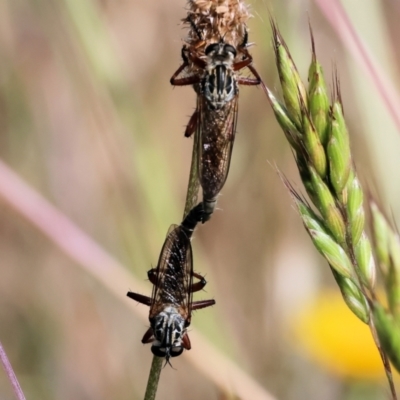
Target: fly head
<point>169,327</point>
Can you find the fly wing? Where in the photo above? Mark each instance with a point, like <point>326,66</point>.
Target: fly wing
<point>193,186</point>
<point>173,273</point>
<point>217,135</point>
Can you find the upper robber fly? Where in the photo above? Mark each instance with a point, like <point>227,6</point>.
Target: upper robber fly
<point>215,76</point>
<point>171,303</point>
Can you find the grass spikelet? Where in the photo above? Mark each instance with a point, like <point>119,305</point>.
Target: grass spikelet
<point>338,148</point>
<point>292,87</point>
<point>312,144</point>
<point>387,242</point>
<point>353,297</point>
<point>388,329</point>
<point>337,194</point>
<point>321,146</point>
<point>318,101</point>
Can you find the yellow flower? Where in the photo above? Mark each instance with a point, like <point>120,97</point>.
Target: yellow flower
<point>337,339</point>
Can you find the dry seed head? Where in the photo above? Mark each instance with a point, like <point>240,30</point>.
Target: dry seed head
<point>217,19</point>
<point>353,297</point>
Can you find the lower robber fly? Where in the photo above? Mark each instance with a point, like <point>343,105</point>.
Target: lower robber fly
<point>216,81</point>
<point>171,303</point>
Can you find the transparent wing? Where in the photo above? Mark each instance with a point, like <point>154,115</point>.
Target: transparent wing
<point>217,134</point>
<point>174,273</point>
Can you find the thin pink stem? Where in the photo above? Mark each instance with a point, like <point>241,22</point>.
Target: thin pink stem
<point>340,22</point>
<point>11,375</point>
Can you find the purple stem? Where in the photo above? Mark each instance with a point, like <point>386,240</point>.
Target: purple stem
<point>10,373</point>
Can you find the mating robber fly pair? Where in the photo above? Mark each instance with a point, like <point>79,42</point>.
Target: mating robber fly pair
<point>171,303</point>
<point>214,71</point>
<point>216,79</point>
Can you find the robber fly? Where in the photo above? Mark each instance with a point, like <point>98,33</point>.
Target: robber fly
<point>171,303</point>
<point>216,80</point>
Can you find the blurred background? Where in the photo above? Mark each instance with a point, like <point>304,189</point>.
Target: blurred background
<point>88,118</point>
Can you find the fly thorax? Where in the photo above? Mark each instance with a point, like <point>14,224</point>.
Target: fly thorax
<point>168,328</point>
<point>219,84</point>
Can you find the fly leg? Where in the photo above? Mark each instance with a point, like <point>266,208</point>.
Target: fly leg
<point>188,80</point>
<point>148,337</point>
<point>192,124</point>
<point>198,305</point>
<point>198,285</point>
<point>140,298</point>
<point>152,275</point>
<point>186,342</point>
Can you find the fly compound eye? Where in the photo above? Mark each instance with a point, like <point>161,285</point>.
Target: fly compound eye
<point>230,49</point>
<point>158,351</point>
<point>210,48</point>
<point>176,351</point>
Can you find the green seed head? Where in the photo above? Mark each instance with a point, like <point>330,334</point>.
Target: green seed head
<point>333,253</point>
<point>326,204</point>
<point>365,261</point>
<point>338,150</point>
<point>381,232</point>
<point>388,330</point>
<point>353,297</point>
<point>292,86</point>
<point>355,210</point>
<point>318,101</point>
<point>282,116</point>
<point>312,144</point>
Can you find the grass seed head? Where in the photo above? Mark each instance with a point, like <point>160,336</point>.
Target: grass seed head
<point>365,261</point>
<point>326,204</point>
<point>338,150</point>
<point>387,245</point>
<point>318,101</point>
<point>355,209</point>
<point>333,253</point>
<point>381,232</point>
<point>353,297</point>
<point>312,143</point>
<point>388,330</point>
<point>282,116</point>
<point>292,86</point>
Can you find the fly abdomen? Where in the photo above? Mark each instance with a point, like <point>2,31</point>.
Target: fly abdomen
<point>209,206</point>
<point>194,216</point>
